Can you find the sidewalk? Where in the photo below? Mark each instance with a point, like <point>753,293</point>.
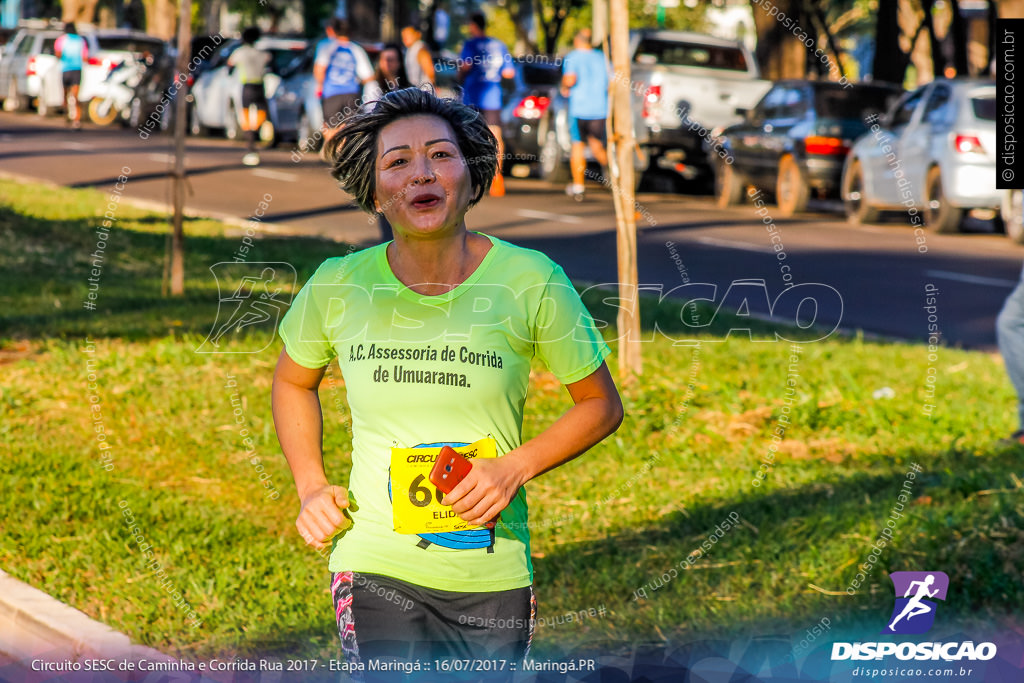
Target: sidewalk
<point>35,626</point>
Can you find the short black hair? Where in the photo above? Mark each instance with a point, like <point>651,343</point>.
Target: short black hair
<point>479,19</point>
<point>352,153</point>
<point>251,35</point>
<point>339,26</point>
<point>70,28</point>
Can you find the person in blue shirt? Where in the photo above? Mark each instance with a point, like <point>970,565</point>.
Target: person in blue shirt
<point>585,82</point>
<point>483,63</point>
<point>340,71</point>
<point>72,51</point>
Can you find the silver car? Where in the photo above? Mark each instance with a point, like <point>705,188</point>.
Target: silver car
<point>25,59</point>
<point>934,152</point>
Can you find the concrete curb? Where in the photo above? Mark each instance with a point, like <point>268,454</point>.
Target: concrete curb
<point>34,625</point>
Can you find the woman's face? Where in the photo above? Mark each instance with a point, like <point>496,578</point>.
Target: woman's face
<point>423,184</point>
<point>389,63</point>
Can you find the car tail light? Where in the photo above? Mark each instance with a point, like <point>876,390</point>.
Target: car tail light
<point>966,144</point>
<point>531,107</point>
<point>94,61</point>
<point>30,67</point>
<point>652,102</point>
<point>817,144</point>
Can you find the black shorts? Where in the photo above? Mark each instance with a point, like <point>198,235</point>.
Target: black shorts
<point>71,78</point>
<point>253,93</point>
<point>338,107</point>
<point>384,619</point>
<point>582,129</point>
<point>492,117</point>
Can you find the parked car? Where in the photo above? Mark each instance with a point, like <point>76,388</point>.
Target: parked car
<point>217,92</point>
<point>527,97</point>
<point>108,49</point>
<point>795,140</point>
<point>940,139</point>
<point>25,58</point>
<point>682,83</point>
<point>295,107</point>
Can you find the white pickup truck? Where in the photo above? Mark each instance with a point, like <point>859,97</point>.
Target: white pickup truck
<point>684,86</point>
<point>687,86</point>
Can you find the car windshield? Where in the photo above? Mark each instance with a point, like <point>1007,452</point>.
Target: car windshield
<point>673,53</point>
<point>984,108</point>
<point>851,103</point>
<point>128,44</point>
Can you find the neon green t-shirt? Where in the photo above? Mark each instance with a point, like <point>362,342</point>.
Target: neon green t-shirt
<point>429,370</point>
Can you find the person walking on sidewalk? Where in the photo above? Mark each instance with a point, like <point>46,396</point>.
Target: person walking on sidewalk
<point>251,63</point>
<point>483,63</point>
<point>585,82</point>
<point>341,72</point>
<point>72,51</point>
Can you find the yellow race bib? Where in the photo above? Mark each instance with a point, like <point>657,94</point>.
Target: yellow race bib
<point>415,502</point>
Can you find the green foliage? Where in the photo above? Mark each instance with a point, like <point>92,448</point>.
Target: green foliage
<point>698,429</point>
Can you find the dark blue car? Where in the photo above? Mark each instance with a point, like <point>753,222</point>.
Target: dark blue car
<point>794,142</point>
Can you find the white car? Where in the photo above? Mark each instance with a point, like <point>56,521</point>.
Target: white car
<point>217,92</point>
<point>25,57</point>
<point>934,151</point>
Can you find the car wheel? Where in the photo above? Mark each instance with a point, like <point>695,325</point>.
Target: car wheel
<point>791,190</point>
<point>939,216</point>
<point>552,166</point>
<point>232,127</point>
<point>855,201</point>
<point>729,186</point>
<point>13,101</point>
<point>102,111</point>
<point>1013,216</point>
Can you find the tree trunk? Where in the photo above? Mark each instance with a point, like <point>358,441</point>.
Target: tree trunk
<point>178,233</point>
<point>161,18</point>
<point>623,183</point>
<point>779,53</point>
<point>889,62</point>
<point>958,32</point>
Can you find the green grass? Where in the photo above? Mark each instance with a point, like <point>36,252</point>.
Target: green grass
<point>606,524</point>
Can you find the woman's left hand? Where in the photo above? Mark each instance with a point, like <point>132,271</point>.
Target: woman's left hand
<point>487,490</point>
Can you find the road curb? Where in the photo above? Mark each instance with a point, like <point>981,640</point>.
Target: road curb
<point>244,225</point>
<point>35,625</point>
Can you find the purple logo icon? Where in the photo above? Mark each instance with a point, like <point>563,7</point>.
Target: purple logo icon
<point>914,611</point>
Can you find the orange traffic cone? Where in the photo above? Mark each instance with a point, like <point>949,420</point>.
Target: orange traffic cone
<point>498,185</point>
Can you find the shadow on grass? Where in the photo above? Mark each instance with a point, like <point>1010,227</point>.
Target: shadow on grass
<point>953,522</point>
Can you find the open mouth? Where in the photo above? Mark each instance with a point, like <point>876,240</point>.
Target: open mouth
<point>425,201</point>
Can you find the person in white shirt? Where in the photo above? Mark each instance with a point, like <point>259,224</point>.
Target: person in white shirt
<point>418,63</point>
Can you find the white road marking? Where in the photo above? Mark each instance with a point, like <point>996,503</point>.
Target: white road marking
<point>276,175</point>
<point>163,158</point>
<point>733,244</point>
<point>971,279</point>
<point>547,216</point>
<point>78,145</point>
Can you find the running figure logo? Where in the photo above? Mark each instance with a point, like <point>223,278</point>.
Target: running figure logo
<point>914,612</point>
<point>253,301</point>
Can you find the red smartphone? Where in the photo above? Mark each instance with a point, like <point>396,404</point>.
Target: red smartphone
<point>449,469</point>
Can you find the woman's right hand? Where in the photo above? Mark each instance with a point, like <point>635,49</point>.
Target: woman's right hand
<point>321,516</point>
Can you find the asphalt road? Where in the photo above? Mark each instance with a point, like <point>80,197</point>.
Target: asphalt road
<point>877,273</point>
